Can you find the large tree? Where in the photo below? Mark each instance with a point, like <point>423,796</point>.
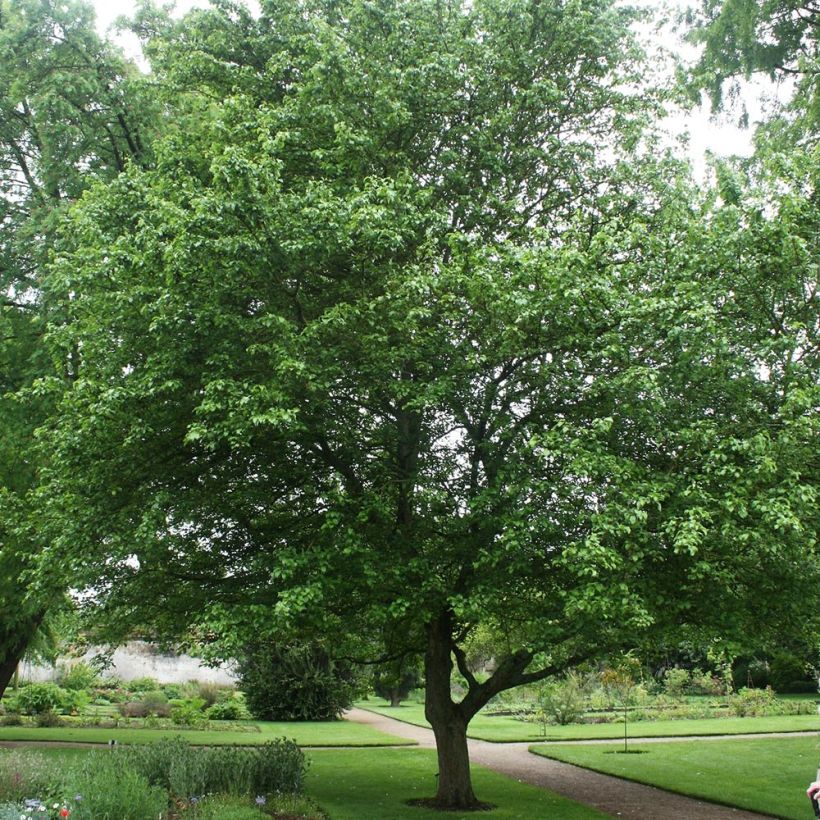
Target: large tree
<point>71,110</point>
<point>413,328</point>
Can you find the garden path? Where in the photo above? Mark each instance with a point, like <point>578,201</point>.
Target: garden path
<point>611,795</point>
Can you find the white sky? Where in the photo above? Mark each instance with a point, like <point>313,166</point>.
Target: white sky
<point>706,133</point>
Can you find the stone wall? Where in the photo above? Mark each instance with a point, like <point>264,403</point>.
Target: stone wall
<point>138,659</point>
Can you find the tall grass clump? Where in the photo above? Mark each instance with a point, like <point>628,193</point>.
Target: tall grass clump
<point>24,774</point>
<point>106,790</point>
<point>184,771</point>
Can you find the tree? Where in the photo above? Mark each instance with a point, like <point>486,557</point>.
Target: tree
<point>71,110</point>
<point>777,38</point>
<point>419,330</point>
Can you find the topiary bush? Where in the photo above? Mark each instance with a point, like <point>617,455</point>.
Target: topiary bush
<point>295,682</point>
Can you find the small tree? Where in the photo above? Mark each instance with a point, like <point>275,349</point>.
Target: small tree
<point>620,681</point>
<point>394,680</point>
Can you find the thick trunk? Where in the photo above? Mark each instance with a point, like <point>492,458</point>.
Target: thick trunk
<point>395,698</point>
<point>8,665</point>
<point>455,789</point>
<point>16,646</point>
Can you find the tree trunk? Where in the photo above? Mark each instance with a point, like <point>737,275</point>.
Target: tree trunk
<point>15,649</point>
<point>8,665</point>
<point>395,697</point>
<point>455,788</point>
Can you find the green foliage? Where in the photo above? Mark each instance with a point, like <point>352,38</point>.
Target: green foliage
<point>77,676</point>
<point>789,673</point>
<point>277,766</point>
<point>676,682</point>
<point>188,712</point>
<point>144,684</point>
<point>395,680</point>
<point>295,682</point>
<point>762,702</point>
<point>109,789</point>
<point>294,807</point>
<point>47,719</point>
<point>412,326</point>
<point>562,702</point>
<point>233,709</point>
<point>35,698</point>
<point>73,111</point>
<point>741,37</point>
<point>211,692</point>
<point>151,703</point>
<point>23,774</point>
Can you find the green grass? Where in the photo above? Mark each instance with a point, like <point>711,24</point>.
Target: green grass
<point>330,733</point>
<point>766,775</point>
<point>372,785</point>
<point>503,729</point>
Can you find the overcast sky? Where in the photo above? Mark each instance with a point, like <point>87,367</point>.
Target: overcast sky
<point>721,136</point>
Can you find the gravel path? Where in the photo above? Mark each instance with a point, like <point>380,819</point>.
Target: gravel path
<point>611,795</point>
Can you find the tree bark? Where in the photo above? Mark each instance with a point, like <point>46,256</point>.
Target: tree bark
<point>455,788</point>
<point>16,648</point>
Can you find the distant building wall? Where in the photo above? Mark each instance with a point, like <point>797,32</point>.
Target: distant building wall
<point>138,659</point>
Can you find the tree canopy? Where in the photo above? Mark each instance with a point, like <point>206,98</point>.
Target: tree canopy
<point>411,326</point>
<point>71,111</point>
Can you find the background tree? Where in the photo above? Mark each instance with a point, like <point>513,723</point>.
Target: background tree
<point>420,326</point>
<point>71,110</point>
<point>777,38</point>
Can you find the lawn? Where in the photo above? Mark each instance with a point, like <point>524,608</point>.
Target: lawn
<point>328,733</point>
<point>504,729</point>
<point>367,783</point>
<point>767,775</point>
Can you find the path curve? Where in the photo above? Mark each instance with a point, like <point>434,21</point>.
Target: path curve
<point>611,795</point>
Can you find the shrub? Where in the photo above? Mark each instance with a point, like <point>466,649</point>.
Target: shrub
<point>676,682</point>
<point>132,709</point>
<point>11,719</point>
<point>188,712</point>
<point>562,702</point>
<point>210,692</point>
<point>173,691</point>
<point>753,702</point>
<point>145,684</point>
<point>156,703</point>
<point>47,719</point>
<point>184,771</point>
<point>35,698</point>
<point>789,673</point>
<point>109,790</point>
<point>78,676</point>
<point>704,683</point>
<point>295,682</point>
<point>228,710</point>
